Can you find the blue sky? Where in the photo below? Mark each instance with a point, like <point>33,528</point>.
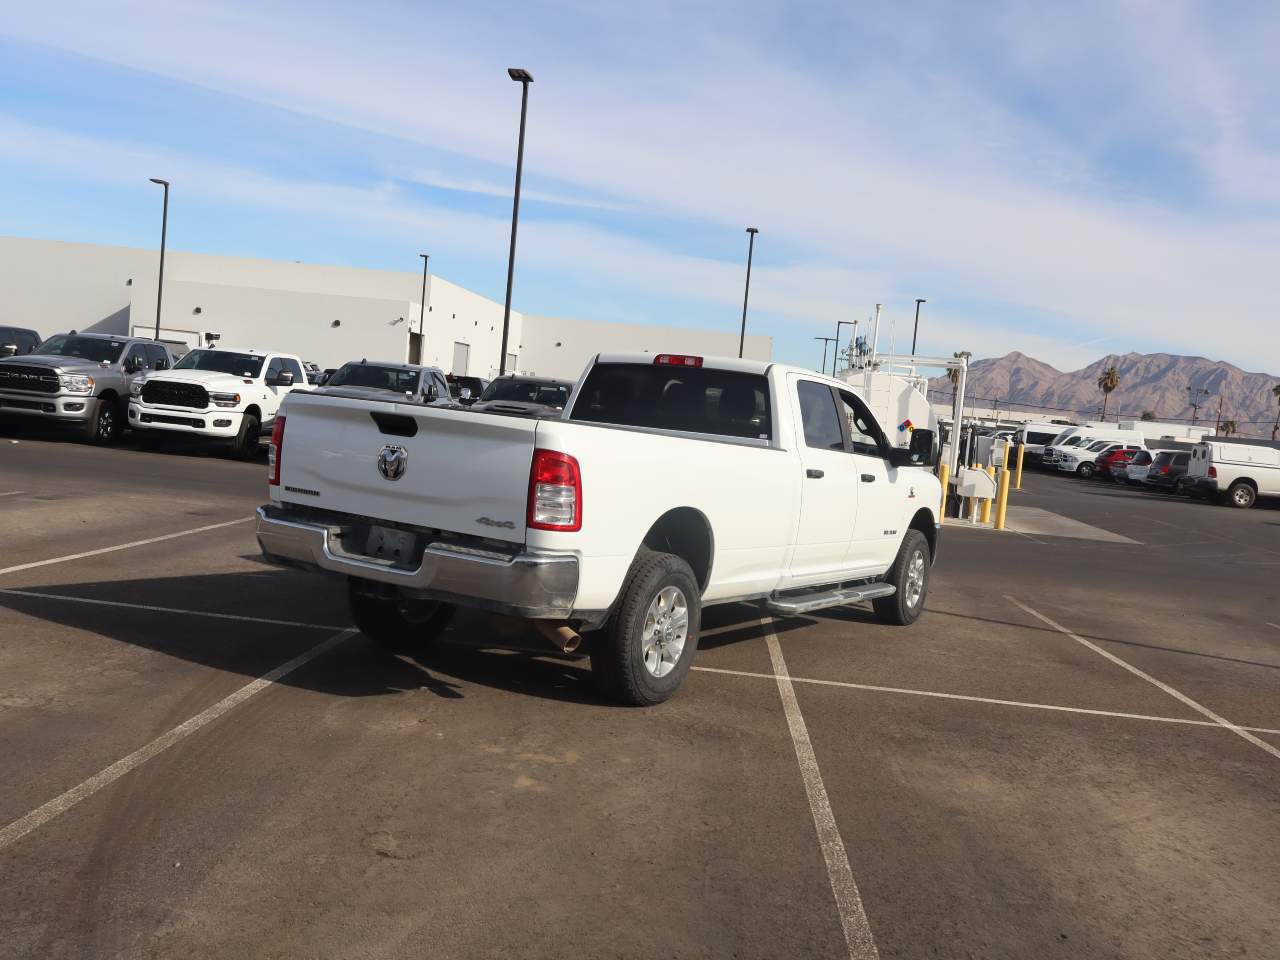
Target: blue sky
<point>1066,182</point>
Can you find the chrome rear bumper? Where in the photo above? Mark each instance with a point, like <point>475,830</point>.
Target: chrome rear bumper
<point>534,585</point>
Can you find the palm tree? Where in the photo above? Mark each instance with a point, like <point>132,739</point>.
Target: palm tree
<point>953,373</point>
<point>1228,427</point>
<point>1276,429</point>
<point>1108,380</point>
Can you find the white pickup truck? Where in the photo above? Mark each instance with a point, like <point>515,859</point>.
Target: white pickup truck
<point>671,483</point>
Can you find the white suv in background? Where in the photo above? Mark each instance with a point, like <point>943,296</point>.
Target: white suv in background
<point>219,393</point>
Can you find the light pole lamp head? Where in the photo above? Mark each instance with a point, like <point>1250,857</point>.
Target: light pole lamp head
<point>519,75</point>
<point>752,230</point>
<point>163,183</point>
<point>921,300</point>
<point>425,257</point>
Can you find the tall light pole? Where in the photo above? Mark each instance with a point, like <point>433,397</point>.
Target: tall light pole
<point>836,358</point>
<point>916,330</point>
<point>1196,399</point>
<point>751,246</point>
<point>422,307</point>
<point>825,341</point>
<point>164,229</point>
<point>524,78</point>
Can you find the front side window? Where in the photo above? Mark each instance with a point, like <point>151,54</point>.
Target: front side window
<point>291,365</point>
<point>93,349</point>
<point>527,391</point>
<point>864,432</point>
<point>221,361</point>
<point>819,416</point>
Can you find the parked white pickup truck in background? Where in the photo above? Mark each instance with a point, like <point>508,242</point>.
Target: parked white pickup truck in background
<point>671,483</point>
<point>218,394</point>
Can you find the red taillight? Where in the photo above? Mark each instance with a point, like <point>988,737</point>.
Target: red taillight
<point>555,492</point>
<point>1164,469</point>
<point>677,360</point>
<point>275,453</point>
<point>1213,471</point>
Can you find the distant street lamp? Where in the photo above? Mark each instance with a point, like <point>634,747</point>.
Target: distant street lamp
<point>524,78</point>
<point>751,246</point>
<point>825,341</point>
<point>836,358</point>
<point>916,330</point>
<point>1196,397</point>
<point>164,229</point>
<point>422,307</point>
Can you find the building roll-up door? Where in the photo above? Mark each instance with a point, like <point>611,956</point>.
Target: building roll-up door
<point>461,357</point>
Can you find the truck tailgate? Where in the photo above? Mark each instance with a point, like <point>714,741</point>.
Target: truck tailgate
<point>463,472</point>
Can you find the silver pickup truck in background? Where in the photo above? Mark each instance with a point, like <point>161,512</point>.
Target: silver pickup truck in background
<point>79,380</point>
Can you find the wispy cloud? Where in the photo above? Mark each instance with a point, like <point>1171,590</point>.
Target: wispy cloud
<point>884,153</point>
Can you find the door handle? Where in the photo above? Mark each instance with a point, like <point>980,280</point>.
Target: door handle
<point>868,478</point>
<point>814,474</point>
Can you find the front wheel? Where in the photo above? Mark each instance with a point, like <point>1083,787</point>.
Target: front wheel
<point>397,623</point>
<point>103,428</point>
<point>1086,470</point>
<point>1241,495</point>
<point>644,652</point>
<point>245,446</point>
<point>910,574</point>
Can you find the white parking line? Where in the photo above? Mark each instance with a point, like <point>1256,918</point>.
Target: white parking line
<point>853,919</point>
<point>185,613</point>
<point>991,700</point>
<point>43,814</point>
<point>1270,624</point>
<point>121,546</point>
<point>1176,694</point>
<point>12,493</point>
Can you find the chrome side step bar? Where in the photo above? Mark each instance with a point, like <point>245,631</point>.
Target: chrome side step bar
<point>832,598</point>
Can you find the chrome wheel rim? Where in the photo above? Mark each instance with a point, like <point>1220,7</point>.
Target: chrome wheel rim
<point>1242,495</point>
<point>914,587</point>
<point>106,423</point>
<point>666,630</point>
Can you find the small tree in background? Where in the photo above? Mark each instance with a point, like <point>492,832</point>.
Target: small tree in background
<point>952,373</point>
<point>1108,380</point>
<point>1228,427</point>
<point>1148,415</point>
<point>1276,392</point>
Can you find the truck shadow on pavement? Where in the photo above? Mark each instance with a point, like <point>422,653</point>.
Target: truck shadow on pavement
<point>477,649</point>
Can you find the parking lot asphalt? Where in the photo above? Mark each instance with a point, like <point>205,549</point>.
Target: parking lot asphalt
<point>1074,753</point>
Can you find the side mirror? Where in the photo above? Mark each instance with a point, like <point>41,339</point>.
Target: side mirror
<point>162,364</point>
<point>133,365</point>
<point>464,393</point>
<point>284,379</point>
<point>918,454</point>
<point>8,349</point>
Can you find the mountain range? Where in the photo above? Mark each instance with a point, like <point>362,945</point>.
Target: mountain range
<point>1156,382</point>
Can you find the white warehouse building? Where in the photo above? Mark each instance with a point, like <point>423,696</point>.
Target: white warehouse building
<point>325,314</point>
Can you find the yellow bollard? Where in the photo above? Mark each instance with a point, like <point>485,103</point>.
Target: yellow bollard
<point>944,476</point>
<point>1022,448</point>
<point>1005,464</point>
<point>986,504</point>
<point>1002,499</point>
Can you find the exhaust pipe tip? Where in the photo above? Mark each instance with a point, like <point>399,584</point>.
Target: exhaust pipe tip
<point>562,636</point>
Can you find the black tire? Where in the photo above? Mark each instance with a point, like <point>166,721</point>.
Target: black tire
<point>618,661</point>
<point>395,623</point>
<point>1086,471</point>
<point>245,445</point>
<point>1241,495</point>
<point>10,427</point>
<point>900,609</point>
<point>103,429</point>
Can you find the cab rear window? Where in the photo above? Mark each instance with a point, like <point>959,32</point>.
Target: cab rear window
<point>691,399</point>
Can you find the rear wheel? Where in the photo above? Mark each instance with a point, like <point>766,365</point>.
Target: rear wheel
<point>1086,470</point>
<point>395,622</point>
<point>1241,495</point>
<point>910,574</point>
<point>644,652</point>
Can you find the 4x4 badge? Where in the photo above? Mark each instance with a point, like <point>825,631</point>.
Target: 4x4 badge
<point>393,461</point>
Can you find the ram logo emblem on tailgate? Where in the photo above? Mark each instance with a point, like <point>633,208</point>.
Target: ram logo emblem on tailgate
<point>393,461</point>
<point>504,524</point>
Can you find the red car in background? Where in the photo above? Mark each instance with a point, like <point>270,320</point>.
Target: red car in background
<point>1113,459</point>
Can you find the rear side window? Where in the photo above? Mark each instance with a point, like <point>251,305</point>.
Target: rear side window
<point>1182,459</point>
<point>692,399</point>
<point>819,415</point>
<point>1039,438</point>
